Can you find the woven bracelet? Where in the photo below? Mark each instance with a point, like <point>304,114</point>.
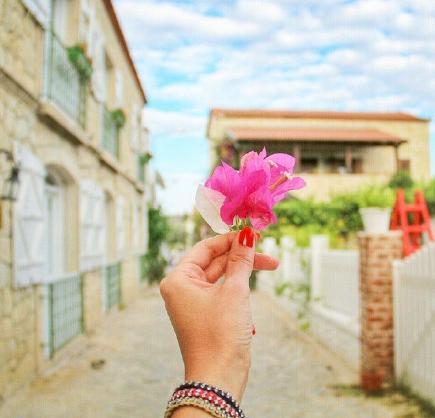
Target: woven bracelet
<point>215,401</point>
<point>219,392</point>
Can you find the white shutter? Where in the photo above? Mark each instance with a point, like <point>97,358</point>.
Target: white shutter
<point>29,214</point>
<point>92,225</point>
<point>119,88</point>
<point>135,145</point>
<point>41,10</point>
<point>120,227</point>
<point>145,227</point>
<point>99,73</point>
<point>135,211</point>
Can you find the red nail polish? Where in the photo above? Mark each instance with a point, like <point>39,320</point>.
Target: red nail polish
<point>243,235</point>
<point>250,237</point>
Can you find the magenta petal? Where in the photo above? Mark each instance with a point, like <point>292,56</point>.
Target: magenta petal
<point>292,184</point>
<point>261,223</point>
<point>224,179</point>
<point>286,161</point>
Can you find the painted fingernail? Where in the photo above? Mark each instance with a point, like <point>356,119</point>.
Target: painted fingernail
<point>250,238</point>
<point>243,235</point>
<point>253,330</point>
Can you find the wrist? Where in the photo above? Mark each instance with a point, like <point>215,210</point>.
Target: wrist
<point>229,376</point>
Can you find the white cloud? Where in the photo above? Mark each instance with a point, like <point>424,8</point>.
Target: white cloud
<point>360,55</point>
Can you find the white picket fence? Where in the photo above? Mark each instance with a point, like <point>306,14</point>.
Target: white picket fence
<point>340,281</point>
<point>333,278</point>
<point>414,321</point>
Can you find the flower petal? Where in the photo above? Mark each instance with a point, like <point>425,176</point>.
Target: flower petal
<point>209,203</point>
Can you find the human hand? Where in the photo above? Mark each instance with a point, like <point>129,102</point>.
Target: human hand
<point>213,321</point>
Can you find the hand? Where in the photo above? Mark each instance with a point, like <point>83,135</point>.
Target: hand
<point>213,321</point>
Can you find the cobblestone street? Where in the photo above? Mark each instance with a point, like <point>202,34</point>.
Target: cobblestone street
<point>291,375</point>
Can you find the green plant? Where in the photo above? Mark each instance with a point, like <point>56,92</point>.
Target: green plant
<point>429,194</point>
<point>154,262</point>
<point>77,56</point>
<point>145,158</point>
<point>118,117</point>
<point>401,180</point>
<point>375,196</point>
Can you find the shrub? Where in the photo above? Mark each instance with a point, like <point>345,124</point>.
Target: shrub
<point>375,196</point>
<point>401,180</point>
<point>155,263</point>
<point>429,193</point>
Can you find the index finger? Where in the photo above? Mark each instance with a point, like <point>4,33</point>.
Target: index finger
<point>204,252</point>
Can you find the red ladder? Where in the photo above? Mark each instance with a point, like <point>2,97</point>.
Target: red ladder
<point>412,232</point>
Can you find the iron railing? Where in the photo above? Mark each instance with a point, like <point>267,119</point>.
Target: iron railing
<point>112,277</point>
<point>140,169</point>
<point>64,85</point>
<point>65,310</point>
<point>110,139</point>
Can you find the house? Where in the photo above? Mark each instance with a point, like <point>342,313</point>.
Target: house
<point>71,105</point>
<point>336,151</point>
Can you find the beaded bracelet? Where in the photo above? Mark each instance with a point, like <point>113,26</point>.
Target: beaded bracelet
<point>225,395</point>
<point>207,397</point>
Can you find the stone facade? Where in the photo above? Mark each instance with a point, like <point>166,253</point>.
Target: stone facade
<point>377,251</point>
<point>378,162</point>
<point>71,152</point>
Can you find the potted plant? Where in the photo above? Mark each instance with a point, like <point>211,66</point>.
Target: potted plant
<point>118,117</point>
<point>145,158</point>
<point>375,205</point>
<point>77,56</point>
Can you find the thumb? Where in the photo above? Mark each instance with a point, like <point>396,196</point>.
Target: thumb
<point>241,257</point>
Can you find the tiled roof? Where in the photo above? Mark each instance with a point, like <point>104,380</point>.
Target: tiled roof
<point>295,114</point>
<point>313,135</point>
<point>120,34</point>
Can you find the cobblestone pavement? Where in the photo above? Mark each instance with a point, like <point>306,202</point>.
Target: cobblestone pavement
<point>291,376</point>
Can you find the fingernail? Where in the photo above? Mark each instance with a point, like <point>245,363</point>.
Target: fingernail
<point>253,330</point>
<point>250,238</point>
<point>243,235</point>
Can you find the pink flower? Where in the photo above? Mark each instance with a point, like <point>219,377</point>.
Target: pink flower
<point>251,192</point>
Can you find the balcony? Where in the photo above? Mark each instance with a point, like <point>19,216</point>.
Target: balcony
<point>63,84</point>
<point>110,135</point>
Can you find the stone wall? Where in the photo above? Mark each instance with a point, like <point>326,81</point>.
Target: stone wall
<point>75,154</point>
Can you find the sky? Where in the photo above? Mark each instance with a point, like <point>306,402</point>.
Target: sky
<point>192,55</point>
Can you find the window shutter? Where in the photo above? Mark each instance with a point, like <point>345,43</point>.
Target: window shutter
<point>99,75</point>
<point>92,225</point>
<point>29,215</point>
<point>135,211</point>
<point>145,227</point>
<point>40,9</point>
<point>119,88</point>
<point>120,227</point>
<point>135,145</point>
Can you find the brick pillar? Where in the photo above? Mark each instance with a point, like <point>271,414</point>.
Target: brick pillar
<point>377,251</point>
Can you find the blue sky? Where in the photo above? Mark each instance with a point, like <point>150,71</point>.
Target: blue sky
<point>193,55</point>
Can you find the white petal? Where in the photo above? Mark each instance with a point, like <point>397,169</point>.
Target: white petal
<point>209,203</point>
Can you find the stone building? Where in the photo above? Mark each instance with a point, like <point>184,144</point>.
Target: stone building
<point>71,106</point>
<point>336,151</point>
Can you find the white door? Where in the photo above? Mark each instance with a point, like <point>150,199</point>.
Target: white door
<point>55,230</point>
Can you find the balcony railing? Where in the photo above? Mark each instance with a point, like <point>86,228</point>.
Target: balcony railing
<point>140,169</point>
<point>64,86</point>
<point>65,311</point>
<point>110,139</point>
<point>112,277</point>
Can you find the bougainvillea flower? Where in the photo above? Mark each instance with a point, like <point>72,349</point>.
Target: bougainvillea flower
<point>249,193</point>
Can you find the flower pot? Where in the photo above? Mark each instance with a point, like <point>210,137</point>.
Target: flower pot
<point>371,382</point>
<point>376,220</point>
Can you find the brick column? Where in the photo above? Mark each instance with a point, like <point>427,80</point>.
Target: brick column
<point>377,251</point>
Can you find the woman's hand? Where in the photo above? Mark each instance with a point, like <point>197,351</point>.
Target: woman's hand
<point>213,321</point>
